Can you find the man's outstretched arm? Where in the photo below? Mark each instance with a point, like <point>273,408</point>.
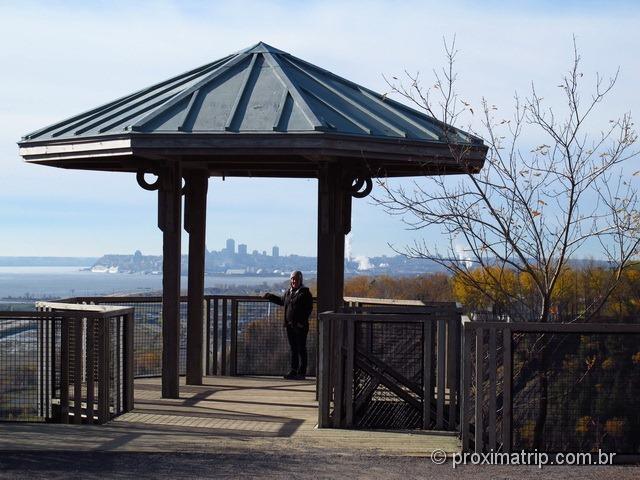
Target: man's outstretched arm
<point>274,298</point>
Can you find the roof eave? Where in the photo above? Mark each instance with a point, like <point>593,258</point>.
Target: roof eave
<point>130,148</point>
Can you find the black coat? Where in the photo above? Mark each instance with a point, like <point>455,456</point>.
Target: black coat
<point>298,306</point>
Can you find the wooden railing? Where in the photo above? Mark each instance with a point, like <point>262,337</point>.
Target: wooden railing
<point>80,365</point>
<point>243,334</point>
<point>550,387</point>
<point>390,367</point>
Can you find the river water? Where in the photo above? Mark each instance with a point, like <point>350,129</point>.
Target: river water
<point>57,282</point>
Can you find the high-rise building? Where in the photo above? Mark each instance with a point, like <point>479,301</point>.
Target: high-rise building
<point>242,249</point>
<point>231,246</point>
<point>275,251</point>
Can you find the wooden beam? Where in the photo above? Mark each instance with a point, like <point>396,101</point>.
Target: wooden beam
<point>331,202</point>
<point>195,216</point>
<point>169,219</point>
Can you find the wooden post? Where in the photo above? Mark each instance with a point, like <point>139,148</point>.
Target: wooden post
<point>195,224</point>
<point>104,372</point>
<point>91,333</point>
<point>331,232</point>
<point>324,387</point>
<point>507,409</point>
<point>441,360</point>
<point>479,426</point>
<point>233,356</point>
<point>465,405</point>
<point>129,327</point>
<point>493,385</point>
<point>64,371</point>
<point>349,366</point>
<point>169,219</point>
<point>77,370</point>
<point>427,386</point>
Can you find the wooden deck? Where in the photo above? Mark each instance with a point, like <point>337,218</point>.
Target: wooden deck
<point>226,414</point>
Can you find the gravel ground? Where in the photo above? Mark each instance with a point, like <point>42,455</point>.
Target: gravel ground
<point>100,465</point>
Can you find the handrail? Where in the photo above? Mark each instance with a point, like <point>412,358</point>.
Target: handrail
<point>99,311</point>
<point>539,327</point>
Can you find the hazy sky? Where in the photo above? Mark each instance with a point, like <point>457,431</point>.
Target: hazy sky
<point>61,58</point>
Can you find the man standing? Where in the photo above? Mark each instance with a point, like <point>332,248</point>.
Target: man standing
<point>298,304</point>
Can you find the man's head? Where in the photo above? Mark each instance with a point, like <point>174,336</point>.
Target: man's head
<point>296,279</point>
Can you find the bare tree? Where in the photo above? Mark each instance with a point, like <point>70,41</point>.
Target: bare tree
<point>531,209</point>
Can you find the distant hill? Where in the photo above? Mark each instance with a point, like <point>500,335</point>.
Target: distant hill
<point>47,261</point>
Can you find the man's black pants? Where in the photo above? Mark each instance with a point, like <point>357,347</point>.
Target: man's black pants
<point>298,344</point>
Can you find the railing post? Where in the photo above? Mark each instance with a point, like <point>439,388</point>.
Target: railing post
<point>90,362</point>
<point>234,338</point>
<point>129,327</point>
<point>338,373</point>
<point>64,371</point>
<point>223,342</point>
<point>465,404</point>
<point>52,373</point>
<point>440,372</point>
<point>453,339</point>
<point>479,426</point>
<point>427,379</point>
<point>493,385</point>
<point>77,370</point>
<point>507,408</point>
<point>216,318</point>
<point>207,336</point>
<point>324,346</point>
<point>348,378</point>
<point>104,371</point>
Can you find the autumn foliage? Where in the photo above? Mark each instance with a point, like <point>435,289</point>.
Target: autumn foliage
<point>436,287</point>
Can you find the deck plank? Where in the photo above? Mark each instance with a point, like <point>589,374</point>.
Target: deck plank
<point>224,414</point>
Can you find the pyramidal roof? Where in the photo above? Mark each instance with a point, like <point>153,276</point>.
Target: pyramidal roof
<point>258,90</point>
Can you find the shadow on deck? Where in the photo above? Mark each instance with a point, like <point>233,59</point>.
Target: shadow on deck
<point>226,414</point>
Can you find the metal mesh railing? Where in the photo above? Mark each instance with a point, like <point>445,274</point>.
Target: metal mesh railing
<point>551,387</point>
<point>147,337</point>
<point>64,363</point>
<point>399,346</point>
<point>262,345</point>
<point>577,392</point>
<point>20,375</point>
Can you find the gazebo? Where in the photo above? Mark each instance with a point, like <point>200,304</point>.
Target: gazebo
<point>260,112</point>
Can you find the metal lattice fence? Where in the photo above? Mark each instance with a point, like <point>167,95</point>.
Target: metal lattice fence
<point>384,346</point>
<point>254,338</point>
<point>20,376</point>
<point>147,338</point>
<point>66,364</point>
<point>577,392</point>
<point>551,387</point>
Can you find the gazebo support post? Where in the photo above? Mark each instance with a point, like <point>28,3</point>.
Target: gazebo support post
<point>169,220</point>
<point>331,207</point>
<point>334,205</point>
<point>195,215</point>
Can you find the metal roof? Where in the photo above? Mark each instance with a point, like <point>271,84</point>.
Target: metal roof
<point>257,92</point>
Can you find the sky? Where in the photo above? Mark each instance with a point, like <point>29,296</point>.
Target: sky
<point>60,58</point>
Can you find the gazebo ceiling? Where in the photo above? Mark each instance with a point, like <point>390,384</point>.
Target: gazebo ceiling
<point>259,112</point>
